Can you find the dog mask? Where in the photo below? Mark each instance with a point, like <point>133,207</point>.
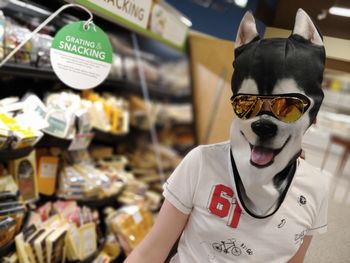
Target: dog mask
<point>263,147</point>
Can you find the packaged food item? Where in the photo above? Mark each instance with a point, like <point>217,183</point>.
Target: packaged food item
<point>16,213</point>
<point>73,243</point>
<point>87,240</point>
<point>14,36</point>
<point>7,184</point>
<point>111,247</point>
<point>44,211</point>
<point>34,113</point>
<point>10,258</point>
<point>60,123</point>
<point>130,224</point>
<point>24,172</point>
<point>55,244</point>
<point>102,258</point>
<point>7,230</point>
<point>4,138</point>
<point>47,174</point>
<point>41,50</point>
<point>23,256</point>
<point>22,136</point>
<point>39,245</point>
<point>2,34</point>
<point>7,196</point>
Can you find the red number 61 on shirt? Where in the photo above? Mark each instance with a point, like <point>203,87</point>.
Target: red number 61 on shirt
<point>221,204</point>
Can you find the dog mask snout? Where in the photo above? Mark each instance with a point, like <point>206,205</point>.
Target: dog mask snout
<point>265,129</point>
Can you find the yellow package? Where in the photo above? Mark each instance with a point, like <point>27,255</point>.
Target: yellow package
<point>130,224</point>
<point>72,243</point>
<point>23,137</point>
<point>47,174</point>
<point>87,240</point>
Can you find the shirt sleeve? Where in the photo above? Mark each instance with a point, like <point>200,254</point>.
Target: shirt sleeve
<point>320,224</point>
<point>179,189</point>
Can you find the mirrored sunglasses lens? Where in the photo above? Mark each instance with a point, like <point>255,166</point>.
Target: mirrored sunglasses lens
<point>244,106</point>
<point>287,109</point>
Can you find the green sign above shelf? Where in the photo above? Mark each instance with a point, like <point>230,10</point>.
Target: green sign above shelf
<point>155,20</point>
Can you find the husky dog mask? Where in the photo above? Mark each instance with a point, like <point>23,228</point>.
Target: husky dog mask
<point>265,149</point>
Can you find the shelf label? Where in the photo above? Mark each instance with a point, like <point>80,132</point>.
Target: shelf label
<point>155,20</point>
<point>167,25</point>
<point>81,56</point>
<point>134,11</point>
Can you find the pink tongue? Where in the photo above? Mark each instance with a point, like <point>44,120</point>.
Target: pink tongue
<point>261,156</point>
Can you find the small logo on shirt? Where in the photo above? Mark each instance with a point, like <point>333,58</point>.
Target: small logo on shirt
<point>302,200</point>
<point>282,223</point>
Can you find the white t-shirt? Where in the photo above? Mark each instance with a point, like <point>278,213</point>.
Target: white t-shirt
<point>218,230</point>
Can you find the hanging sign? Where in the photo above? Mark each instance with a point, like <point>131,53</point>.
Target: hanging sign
<point>81,55</point>
<point>134,11</point>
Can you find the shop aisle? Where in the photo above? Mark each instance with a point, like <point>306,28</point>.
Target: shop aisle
<point>334,245</point>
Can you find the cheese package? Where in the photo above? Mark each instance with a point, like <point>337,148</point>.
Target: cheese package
<point>29,244</point>
<point>130,224</point>
<point>21,252</point>
<point>60,123</point>
<point>55,245</point>
<point>24,172</point>
<point>22,136</point>
<point>7,230</point>
<point>47,174</point>
<point>40,245</point>
<point>87,240</point>
<point>73,243</point>
<point>7,184</point>
<point>16,213</point>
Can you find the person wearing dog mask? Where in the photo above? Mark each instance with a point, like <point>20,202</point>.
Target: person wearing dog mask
<point>252,198</point>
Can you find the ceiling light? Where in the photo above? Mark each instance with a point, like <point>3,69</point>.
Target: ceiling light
<point>241,3</point>
<point>186,21</point>
<point>340,11</point>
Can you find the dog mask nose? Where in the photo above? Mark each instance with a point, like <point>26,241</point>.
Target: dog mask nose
<point>264,129</point>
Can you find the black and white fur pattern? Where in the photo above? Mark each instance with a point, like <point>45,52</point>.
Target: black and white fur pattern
<point>271,67</point>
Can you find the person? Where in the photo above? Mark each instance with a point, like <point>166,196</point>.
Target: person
<point>252,198</point>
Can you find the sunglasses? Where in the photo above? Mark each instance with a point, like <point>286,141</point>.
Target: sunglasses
<point>287,107</point>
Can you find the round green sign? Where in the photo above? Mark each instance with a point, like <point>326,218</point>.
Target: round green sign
<point>81,56</point>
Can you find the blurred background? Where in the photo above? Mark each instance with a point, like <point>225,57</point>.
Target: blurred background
<point>103,154</point>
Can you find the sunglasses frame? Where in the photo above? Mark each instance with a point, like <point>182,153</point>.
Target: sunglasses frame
<point>305,102</point>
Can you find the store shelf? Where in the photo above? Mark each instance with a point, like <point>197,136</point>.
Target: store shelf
<point>106,137</point>
<point>23,70</point>
<point>100,203</point>
<point>122,85</point>
<point>51,141</point>
<point>10,154</point>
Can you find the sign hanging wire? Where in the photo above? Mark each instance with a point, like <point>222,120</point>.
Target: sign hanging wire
<point>43,24</point>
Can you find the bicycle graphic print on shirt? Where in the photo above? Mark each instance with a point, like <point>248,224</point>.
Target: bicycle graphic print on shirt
<point>231,246</point>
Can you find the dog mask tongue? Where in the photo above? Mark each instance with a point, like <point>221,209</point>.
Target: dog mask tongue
<point>261,156</point>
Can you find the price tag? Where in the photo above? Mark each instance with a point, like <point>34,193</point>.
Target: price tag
<point>81,55</point>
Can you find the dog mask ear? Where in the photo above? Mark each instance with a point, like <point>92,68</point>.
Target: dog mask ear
<point>305,27</point>
<point>247,30</point>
